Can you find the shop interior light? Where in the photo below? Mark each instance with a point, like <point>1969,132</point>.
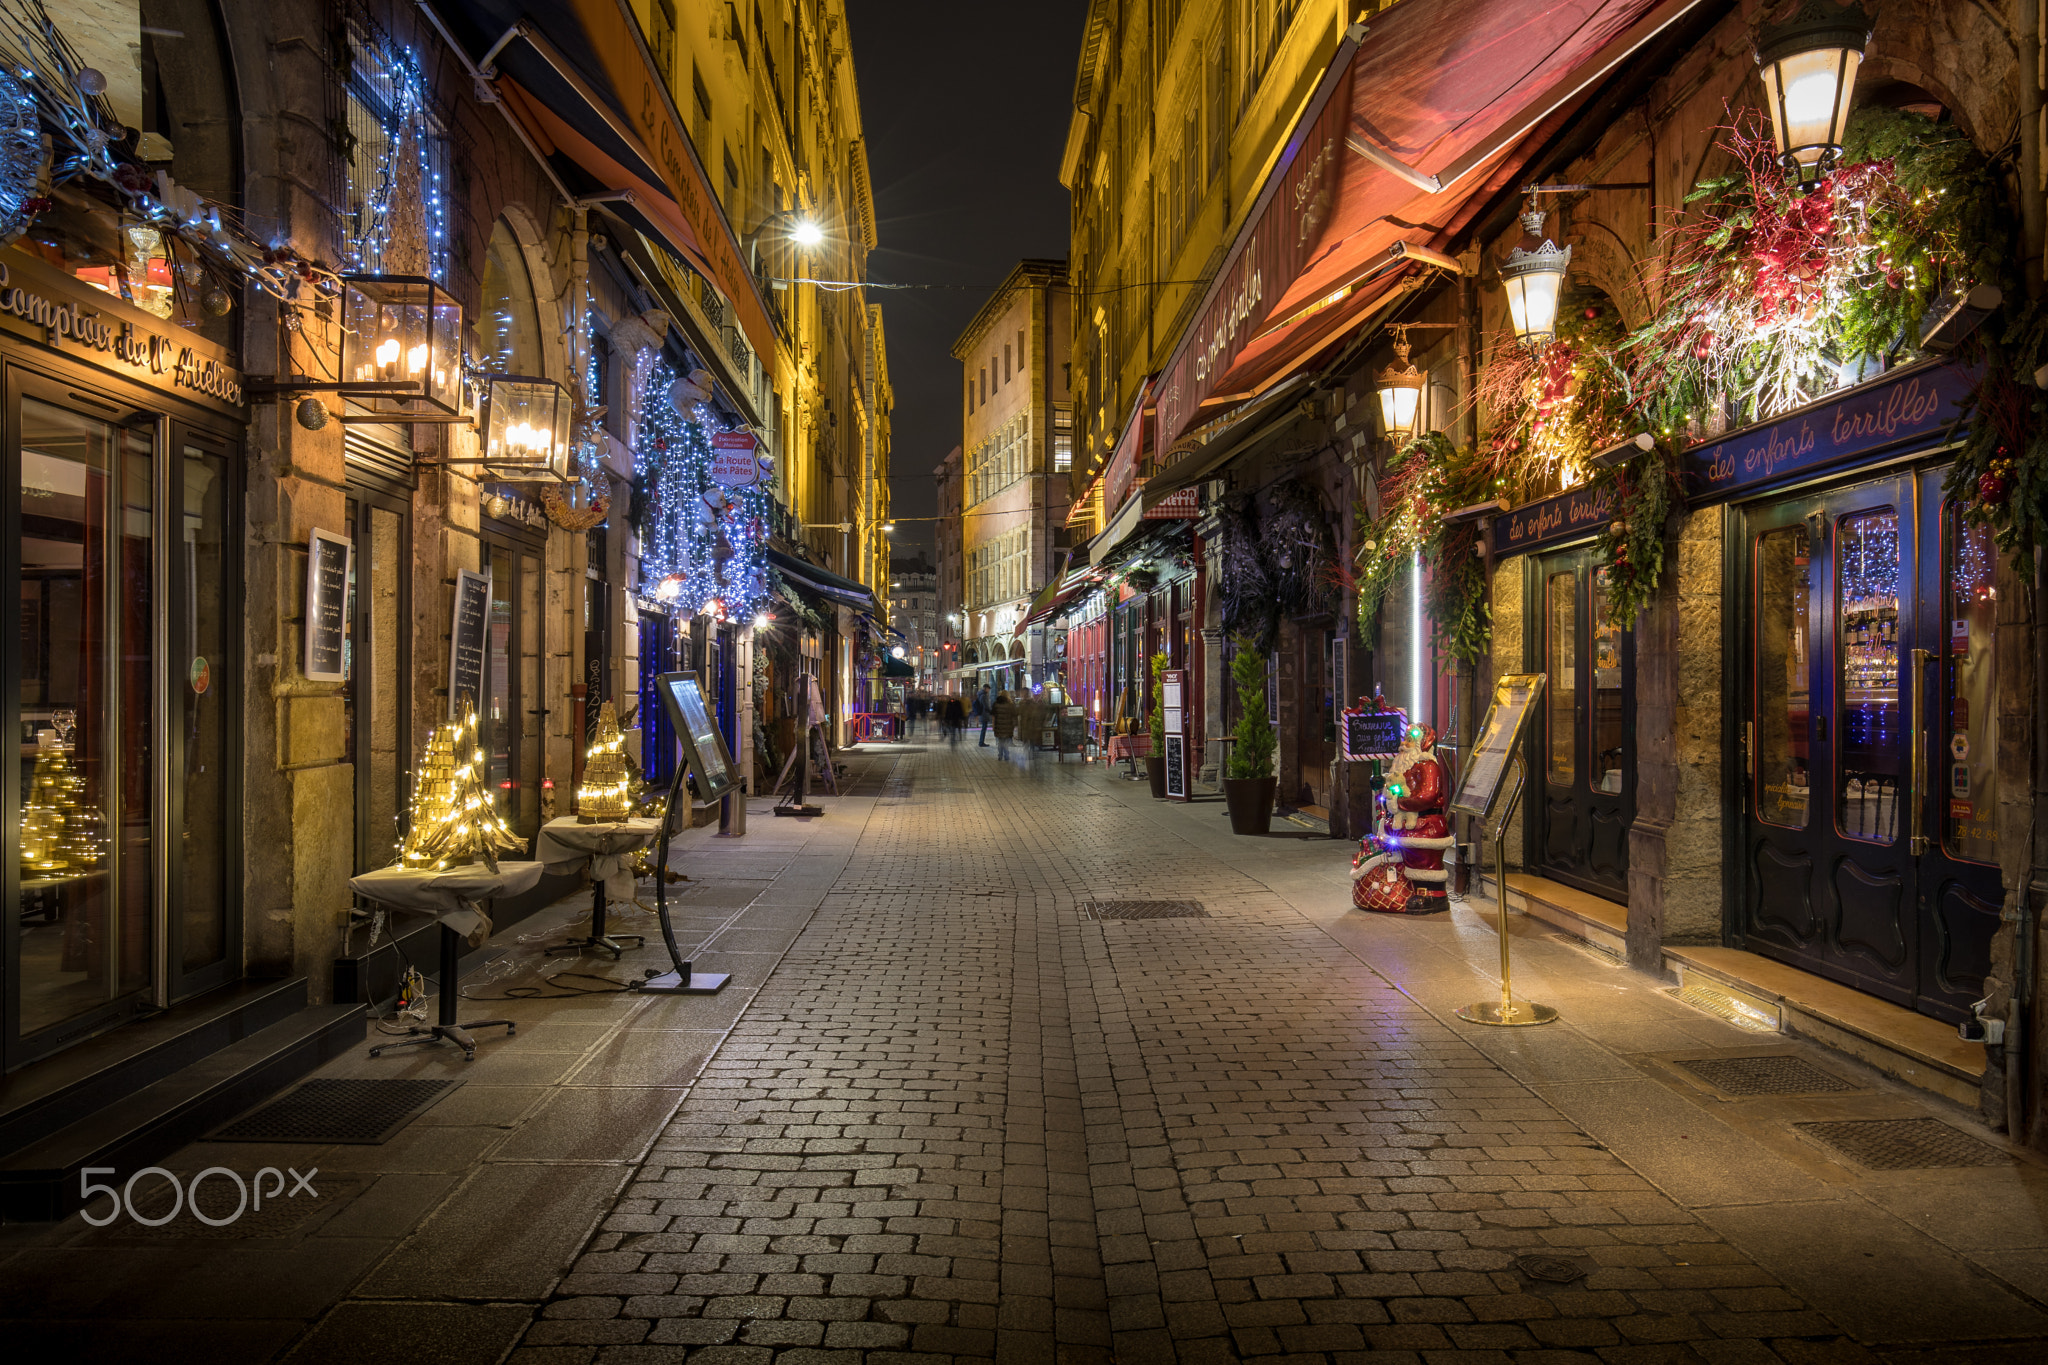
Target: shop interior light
<point>401,348</point>
<point>526,429</point>
<point>1809,65</point>
<point>1533,276</point>
<point>1400,386</point>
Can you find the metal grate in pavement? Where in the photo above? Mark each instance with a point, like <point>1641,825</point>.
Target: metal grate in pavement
<point>1773,1075</point>
<point>1722,1005</point>
<point>1904,1144</point>
<point>1102,910</point>
<point>355,1111</point>
<point>1555,1269</point>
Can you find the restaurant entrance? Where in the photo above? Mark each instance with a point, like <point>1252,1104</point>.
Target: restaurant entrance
<point>1867,740</point>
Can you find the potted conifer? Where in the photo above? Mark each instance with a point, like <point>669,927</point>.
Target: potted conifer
<point>1155,766</point>
<point>1248,786</point>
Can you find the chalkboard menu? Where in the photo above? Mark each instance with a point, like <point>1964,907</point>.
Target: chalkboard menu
<point>711,768</point>
<point>466,638</point>
<point>1177,766</point>
<point>1073,730</point>
<point>1372,734</point>
<point>1514,700</point>
<point>329,559</point>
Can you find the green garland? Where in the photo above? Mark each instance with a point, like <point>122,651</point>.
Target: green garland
<point>1429,478</point>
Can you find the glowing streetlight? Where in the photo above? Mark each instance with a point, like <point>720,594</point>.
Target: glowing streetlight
<point>806,233</point>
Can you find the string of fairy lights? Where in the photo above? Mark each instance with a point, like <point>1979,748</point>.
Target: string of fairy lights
<point>706,547</point>
<point>390,86</point>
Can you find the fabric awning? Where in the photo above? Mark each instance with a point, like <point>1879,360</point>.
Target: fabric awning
<point>1437,94</point>
<point>1060,594</point>
<point>822,582</point>
<point>895,668</point>
<point>1274,410</point>
<point>582,86</point>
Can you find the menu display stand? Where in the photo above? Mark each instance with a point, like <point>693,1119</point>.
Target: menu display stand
<point>1490,790</point>
<point>706,774</point>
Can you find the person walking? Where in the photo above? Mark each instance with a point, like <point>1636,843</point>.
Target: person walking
<point>954,717</point>
<point>1004,716</point>
<point>982,707</point>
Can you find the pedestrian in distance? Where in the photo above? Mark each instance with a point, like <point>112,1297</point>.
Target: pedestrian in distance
<point>983,706</point>
<point>1004,717</point>
<point>954,717</point>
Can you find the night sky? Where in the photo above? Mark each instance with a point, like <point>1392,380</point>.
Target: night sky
<point>965,109</point>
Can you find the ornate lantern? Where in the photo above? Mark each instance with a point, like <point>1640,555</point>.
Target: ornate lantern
<point>526,429</point>
<point>1533,276</point>
<point>1400,386</point>
<point>1809,68</point>
<point>401,348</point>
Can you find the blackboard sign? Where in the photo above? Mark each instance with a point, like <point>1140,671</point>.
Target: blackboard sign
<point>329,559</point>
<point>711,769</point>
<point>1073,731</point>
<point>466,638</point>
<point>1372,734</point>
<point>1514,700</point>
<point>1177,766</point>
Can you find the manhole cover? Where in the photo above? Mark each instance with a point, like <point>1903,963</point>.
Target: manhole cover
<point>1101,910</point>
<point>1555,1269</point>
<point>1775,1075</point>
<point>368,1111</point>
<point>1904,1144</point>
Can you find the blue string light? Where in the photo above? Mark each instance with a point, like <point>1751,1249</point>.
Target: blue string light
<point>404,118</point>
<point>694,555</point>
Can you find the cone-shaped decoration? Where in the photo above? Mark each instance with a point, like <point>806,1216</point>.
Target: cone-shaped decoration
<point>606,795</point>
<point>455,818</point>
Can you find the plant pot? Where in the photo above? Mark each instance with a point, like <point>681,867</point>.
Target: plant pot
<point>1250,800</point>
<point>1155,769</point>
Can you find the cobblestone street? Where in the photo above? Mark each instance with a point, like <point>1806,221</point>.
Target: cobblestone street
<point>946,1112</point>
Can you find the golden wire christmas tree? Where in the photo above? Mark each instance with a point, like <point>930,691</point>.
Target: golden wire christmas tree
<point>55,796</point>
<point>606,795</point>
<point>455,818</point>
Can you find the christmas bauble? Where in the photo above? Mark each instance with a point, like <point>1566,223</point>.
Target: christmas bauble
<point>1991,489</point>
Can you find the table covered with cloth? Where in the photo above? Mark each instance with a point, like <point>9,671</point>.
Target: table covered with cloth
<point>453,895</point>
<point>565,846</point>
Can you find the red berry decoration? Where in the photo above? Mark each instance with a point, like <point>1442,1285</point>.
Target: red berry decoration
<point>1991,489</point>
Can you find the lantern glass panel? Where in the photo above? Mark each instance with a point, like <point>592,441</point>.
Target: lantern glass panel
<point>1532,302</point>
<point>1809,94</point>
<point>401,329</point>
<point>526,436</point>
<point>1400,401</point>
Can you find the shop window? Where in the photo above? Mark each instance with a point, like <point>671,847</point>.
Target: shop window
<point>1969,756</point>
<point>1784,590</point>
<point>168,80</point>
<point>1867,660</point>
<point>1561,617</point>
<point>397,161</point>
<point>1610,735</point>
<point>509,326</point>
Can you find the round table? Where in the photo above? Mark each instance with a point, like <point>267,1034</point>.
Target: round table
<point>568,846</point>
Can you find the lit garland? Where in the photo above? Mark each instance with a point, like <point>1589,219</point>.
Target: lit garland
<point>703,547</point>
<point>404,120</point>
<point>455,817</point>
<point>607,791</point>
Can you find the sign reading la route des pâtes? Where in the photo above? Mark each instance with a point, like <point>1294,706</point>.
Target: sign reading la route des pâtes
<point>733,461</point>
<point>1571,514</point>
<point>114,336</point>
<point>1917,403</point>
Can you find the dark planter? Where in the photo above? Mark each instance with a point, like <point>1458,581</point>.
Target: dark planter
<point>1155,769</point>
<point>1250,800</point>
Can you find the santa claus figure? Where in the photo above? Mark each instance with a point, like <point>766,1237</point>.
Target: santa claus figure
<point>1420,830</point>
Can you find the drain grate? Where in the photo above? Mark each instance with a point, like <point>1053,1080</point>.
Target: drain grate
<point>1555,1269</point>
<point>1773,1075</point>
<point>367,1111</point>
<point>1722,1005</point>
<point>1101,910</point>
<point>1904,1144</point>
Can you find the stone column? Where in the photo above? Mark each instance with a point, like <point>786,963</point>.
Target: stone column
<point>1215,678</point>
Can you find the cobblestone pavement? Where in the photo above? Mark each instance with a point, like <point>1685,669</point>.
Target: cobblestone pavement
<point>963,1119</point>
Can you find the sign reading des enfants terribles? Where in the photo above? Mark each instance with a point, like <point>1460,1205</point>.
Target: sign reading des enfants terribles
<point>1914,404</point>
<point>1570,515</point>
<point>101,330</point>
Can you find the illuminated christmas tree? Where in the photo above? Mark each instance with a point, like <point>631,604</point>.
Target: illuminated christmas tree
<point>606,795</point>
<point>56,796</point>
<point>455,818</point>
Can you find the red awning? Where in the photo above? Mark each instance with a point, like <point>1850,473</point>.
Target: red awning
<point>1120,474</point>
<point>1439,93</point>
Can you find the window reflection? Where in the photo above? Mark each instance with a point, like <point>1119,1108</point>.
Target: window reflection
<point>1609,733</point>
<point>1867,662</point>
<point>1967,761</point>
<point>1784,589</point>
<point>1562,635</point>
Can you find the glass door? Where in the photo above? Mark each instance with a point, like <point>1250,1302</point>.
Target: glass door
<point>1588,736</point>
<point>1868,742</point>
<point>379,673</point>
<point>81,697</point>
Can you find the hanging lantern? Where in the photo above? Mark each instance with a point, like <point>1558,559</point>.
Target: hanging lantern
<point>402,333</point>
<point>1400,386</point>
<point>1809,65</point>
<point>1533,276</point>
<point>526,432</point>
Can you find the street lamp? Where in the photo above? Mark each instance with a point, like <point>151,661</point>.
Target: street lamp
<point>1533,276</point>
<point>526,431</point>
<point>806,232</point>
<point>401,335</point>
<point>1808,65</point>
<point>1400,386</point>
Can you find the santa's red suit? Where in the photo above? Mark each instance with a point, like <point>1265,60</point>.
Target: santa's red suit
<point>1422,830</point>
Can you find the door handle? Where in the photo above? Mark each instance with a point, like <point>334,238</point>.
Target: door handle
<point>1917,844</point>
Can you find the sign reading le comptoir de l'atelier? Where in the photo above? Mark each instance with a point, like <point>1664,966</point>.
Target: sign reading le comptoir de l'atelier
<point>81,321</point>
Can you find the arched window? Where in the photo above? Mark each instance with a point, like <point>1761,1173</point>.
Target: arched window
<point>508,324</point>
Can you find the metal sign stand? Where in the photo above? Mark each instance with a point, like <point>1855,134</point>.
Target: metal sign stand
<point>1507,1011</point>
<point>682,978</point>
